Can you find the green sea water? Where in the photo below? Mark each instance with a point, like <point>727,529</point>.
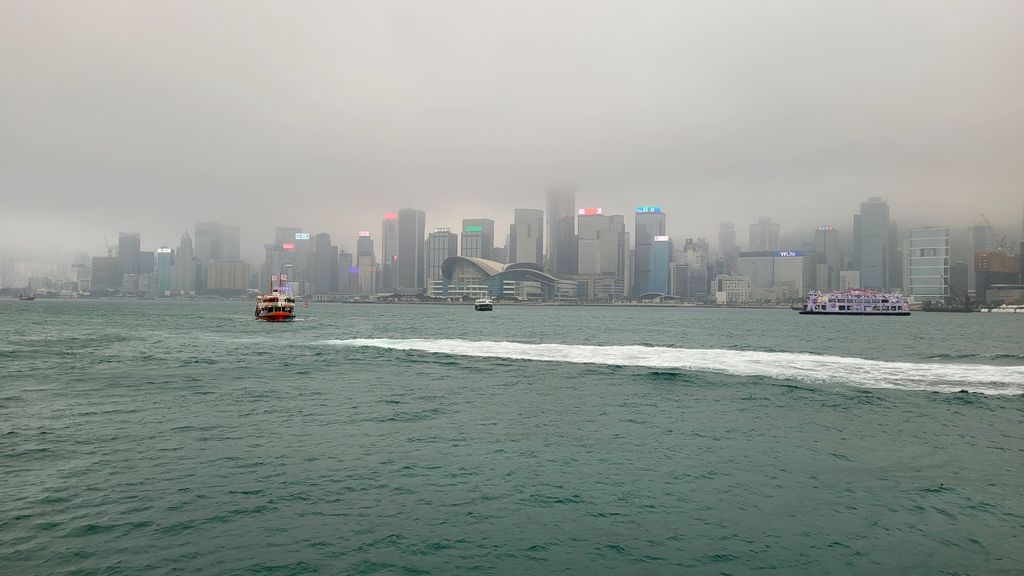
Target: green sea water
<point>187,438</point>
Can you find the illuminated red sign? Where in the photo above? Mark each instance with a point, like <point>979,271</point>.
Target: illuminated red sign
<point>391,216</point>
<point>589,211</point>
<point>288,246</point>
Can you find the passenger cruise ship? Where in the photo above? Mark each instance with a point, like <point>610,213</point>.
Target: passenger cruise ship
<point>857,302</point>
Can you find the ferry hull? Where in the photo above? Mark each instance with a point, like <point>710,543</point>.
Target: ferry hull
<point>276,317</point>
<point>823,313</point>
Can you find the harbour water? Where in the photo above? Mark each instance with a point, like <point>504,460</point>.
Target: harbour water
<point>186,438</point>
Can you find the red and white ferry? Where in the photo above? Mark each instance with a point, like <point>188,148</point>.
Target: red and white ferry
<point>857,302</point>
<point>278,305</point>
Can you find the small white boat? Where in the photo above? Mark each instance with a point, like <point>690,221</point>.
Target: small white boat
<point>483,305</point>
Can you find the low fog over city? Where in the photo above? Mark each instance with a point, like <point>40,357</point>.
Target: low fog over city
<point>153,117</point>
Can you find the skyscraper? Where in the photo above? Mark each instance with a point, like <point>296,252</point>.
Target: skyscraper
<point>442,244</point>
<point>826,251</point>
<point>164,270</point>
<point>325,265</point>
<point>231,243</point>
<point>661,257</point>
<point>411,229</point>
<point>871,243</point>
<point>602,243</point>
<point>562,247</point>
<point>366,263</point>
<point>478,238</point>
<point>128,244</point>
<point>764,235</point>
<point>389,252</point>
<point>981,238</point>
<point>526,236</point>
<point>728,249</point>
<point>929,264</point>
<point>649,222</point>
<point>208,241</point>
<point>185,266</point>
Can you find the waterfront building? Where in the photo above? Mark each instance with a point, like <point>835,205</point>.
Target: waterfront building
<point>732,289</point>
<point>366,265</point>
<point>562,238</point>
<point>411,265</point>
<point>994,267</point>
<point>871,238</point>
<point>775,277</point>
<point>764,235</point>
<point>477,238</point>
<point>164,271</point>
<point>499,254</point>
<point>185,267</point>
<point>227,277</point>
<point>389,252</point>
<point>442,244</point>
<point>661,257</point>
<point>602,243</point>
<point>104,276</point>
<point>470,278</point>
<point>649,223</point>
<point>981,238</point>
<point>526,236</point>
<point>849,279</point>
<point>326,276</point>
<point>349,274</point>
<point>929,264</point>
<point>128,248</point>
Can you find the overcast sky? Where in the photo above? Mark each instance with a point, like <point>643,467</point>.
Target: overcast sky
<point>148,116</point>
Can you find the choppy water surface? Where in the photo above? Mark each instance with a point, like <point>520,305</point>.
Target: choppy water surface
<point>152,437</point>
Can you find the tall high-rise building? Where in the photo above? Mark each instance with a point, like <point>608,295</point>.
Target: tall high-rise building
<point>325,265</point>
<point>929,264</point>
<point>164,270</point>
<point>185,266</point>
<point>366,264</point>
<point>411,230</point>
<point>389,252</point>
<point>602,243</point>
<point>562,238</point>
<point>728,248</point>
<point>231,243</point>
<point>826,254</point>
<point>661,260</point>
<point>649,223</point>
<point>764,235</point>
<point>478,238</point>
<point>981,238</point>
<point>208,241</point>
<point>526,236</point>
<point>349,281</point>
<point>128,245</point>
<point>442,244</point>
<point>871,251</point>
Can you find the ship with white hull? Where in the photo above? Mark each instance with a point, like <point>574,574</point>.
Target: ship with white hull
<point>856,302</point>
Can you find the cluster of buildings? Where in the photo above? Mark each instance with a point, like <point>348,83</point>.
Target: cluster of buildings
<point>572,255</point>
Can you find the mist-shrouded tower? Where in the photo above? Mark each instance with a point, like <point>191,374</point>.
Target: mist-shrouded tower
<point>411,237</point>
<point>562,238</point>
<point>389,252</point>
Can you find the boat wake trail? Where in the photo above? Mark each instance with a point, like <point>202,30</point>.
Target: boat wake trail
<point>1001,380</point>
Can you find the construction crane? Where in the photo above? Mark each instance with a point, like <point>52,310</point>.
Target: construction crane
<point>1001,244</point>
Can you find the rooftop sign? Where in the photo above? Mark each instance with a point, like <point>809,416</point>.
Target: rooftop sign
<point>825,228</point>
<point>364,233</point>
<point>473,229</point>
<point>164,250</point>
<point>590,211</point>
<point>391,216</point>
<point>661,238</point>
<point>288,246</point>
<point>648,209</point>
<point>302,235</point>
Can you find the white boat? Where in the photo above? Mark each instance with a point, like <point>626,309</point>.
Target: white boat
<point>483,305</point>
<point>1006,309</point>
<point>857,302</point>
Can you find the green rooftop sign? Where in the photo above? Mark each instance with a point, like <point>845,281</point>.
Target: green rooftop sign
<point>473,229</point>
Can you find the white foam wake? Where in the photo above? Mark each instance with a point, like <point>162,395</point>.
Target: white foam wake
<point>782,365</point>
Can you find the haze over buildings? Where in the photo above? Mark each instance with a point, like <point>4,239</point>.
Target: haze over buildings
<point>151,116</point>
